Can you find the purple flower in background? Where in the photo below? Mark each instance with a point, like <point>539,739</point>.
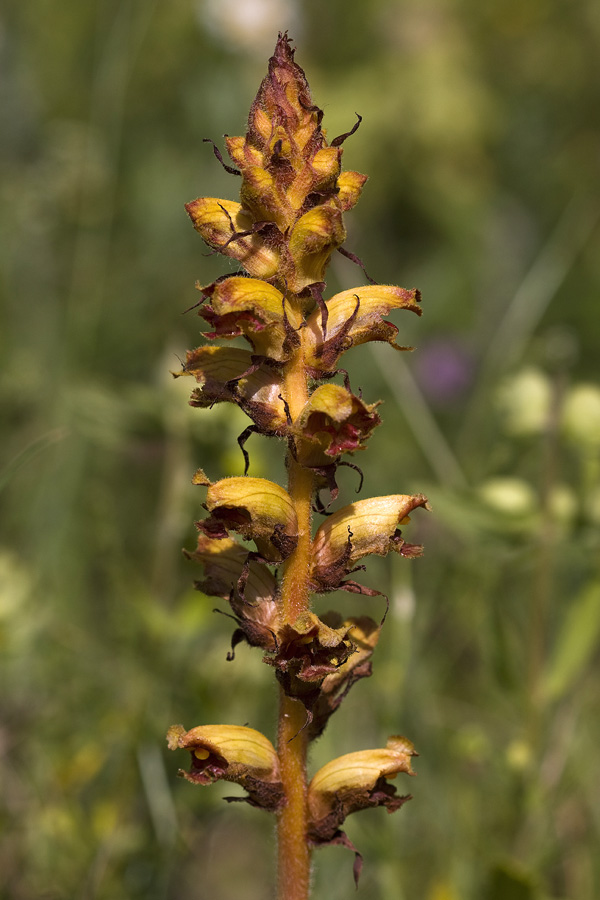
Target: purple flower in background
<point>444,370</point>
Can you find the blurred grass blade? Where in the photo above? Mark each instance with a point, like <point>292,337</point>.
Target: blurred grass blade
<point>541,284</point>
<point>576,643</point>
<point>38,445</point>
<point>158,793</point>
<point>419,418</point>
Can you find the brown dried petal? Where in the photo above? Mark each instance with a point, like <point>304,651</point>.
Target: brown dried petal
<point>364,634</point>
<point>307,652</point>
<point>248,585</point>
<point>224,560</point>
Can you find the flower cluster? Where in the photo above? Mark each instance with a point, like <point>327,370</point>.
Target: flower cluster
<point>283,232</point>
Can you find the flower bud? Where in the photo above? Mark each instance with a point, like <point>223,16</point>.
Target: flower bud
<point>350,185</point>
<point>261,196</point>
<point>232,753</point>
<point>219,221</point>
<point>312,240</point>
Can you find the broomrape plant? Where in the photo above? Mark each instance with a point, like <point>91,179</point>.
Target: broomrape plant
<point>283,232</point>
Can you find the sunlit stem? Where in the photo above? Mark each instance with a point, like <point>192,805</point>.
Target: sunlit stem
<point>294,854</point>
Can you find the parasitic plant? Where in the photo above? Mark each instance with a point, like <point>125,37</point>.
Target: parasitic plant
<point>283,232</point>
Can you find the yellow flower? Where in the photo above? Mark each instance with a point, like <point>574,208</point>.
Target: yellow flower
<point>232,753</point>
<point>354,317</point>
<point>357,781</point>
<point>256,508</point>
<point>361,529</point>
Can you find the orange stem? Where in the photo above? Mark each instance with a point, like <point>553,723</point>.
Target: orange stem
<point>293,851</point>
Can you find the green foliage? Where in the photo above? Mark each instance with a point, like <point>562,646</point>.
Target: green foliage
<point>480,124</point>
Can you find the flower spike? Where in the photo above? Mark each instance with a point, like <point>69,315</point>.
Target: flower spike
<point>282,231</point>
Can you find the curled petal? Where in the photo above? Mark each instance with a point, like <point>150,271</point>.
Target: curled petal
<point>215,370</point>
<point>256,508</point>
<point>356,781</point>
<point>355,317</point>
<point>255,309</point>
<point>333,421</point>
<point>361,529</point>
<point>228,228</point>
<point>233,753</point>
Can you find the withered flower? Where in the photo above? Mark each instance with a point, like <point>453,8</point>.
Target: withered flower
<point>229,374</point>
<point>332,422</point>
<point>250,587</point>
<point>253,309</point>
<point>364,634</point>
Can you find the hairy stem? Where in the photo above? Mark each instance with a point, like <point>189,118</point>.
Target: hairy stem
<point>293,852</point>
<point>294,855</point>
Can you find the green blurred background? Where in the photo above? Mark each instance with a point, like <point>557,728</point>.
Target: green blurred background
<point>481,135</point>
